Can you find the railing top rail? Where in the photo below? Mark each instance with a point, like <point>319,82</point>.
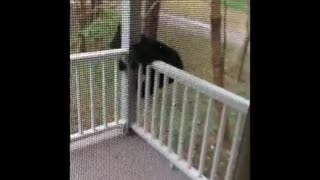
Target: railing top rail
<point>235,101</point>
<point>98,54</point>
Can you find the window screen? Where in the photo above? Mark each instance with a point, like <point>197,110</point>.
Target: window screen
<point>212,40</point>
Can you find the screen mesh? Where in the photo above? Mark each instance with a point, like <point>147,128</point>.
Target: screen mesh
<point>98,84</point>
<point>93,24</point>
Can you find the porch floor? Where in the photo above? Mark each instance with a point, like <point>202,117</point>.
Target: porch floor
<point>121,158</point>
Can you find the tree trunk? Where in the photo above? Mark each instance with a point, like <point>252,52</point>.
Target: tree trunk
<point>151,18</point>
<point>217,57</point>
<point>96,8</point>
<point>243,55</point>
<point>245,49</point>
<point>242,171</point>
<point>93,4</point>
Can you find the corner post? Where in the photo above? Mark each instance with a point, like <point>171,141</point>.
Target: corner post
<point>131,28</point>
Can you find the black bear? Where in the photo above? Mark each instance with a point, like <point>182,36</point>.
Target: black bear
<point>144,53</point>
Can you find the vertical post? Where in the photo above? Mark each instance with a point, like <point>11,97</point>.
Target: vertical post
<point>125,43</point>
<point>92,107</point>
<point>242,169</point>
<point>154,103</point>
<point>172,113</point>
<point>124,94</point>
<point>125,14</point>
<point>104,94</point>
<point>146,98</point>
<point>139,95</point>
<point>78,100</point>
<point>162,111</point>
<point>193,130</point>
<point>115,88</point>
<point>205,138</point>
<point>126,8</point>
<point>182,124</point>
<point>218,150</point>
<point>235,147</point>
<point>132,13</point>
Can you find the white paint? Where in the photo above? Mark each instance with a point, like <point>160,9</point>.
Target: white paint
<point>217,93</point>
<point>182,165</point>
<point>104,94</point>
<point>98,129</point>
<point>139,94</point>
<point>78,101</point>
<point>193,130</point>
<point>155,102</point>
<point>146,98</point>
<point>205,137</point>
<point>92,104</point>
<point>217,152</point>
<point>124,95</point>
<point>172,113</point>
<point>235,147</point>
<point>125,24</point>
<point>97,138</point>
<point>183,114</point>
<point>163,105</point>
<point>99,55</point>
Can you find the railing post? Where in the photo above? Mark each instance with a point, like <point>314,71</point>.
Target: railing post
<point>242,171</point>
<point>134,36</point>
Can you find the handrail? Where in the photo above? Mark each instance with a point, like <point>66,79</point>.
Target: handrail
<point>235,101</point>
<point>89,56</point>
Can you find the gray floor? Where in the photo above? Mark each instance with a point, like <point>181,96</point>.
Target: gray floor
<point>121,158</point>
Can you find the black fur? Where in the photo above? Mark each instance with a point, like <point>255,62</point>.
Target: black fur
<point>145,52</point>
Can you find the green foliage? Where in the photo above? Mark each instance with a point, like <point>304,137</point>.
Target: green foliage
<point>104,26</point>
<point>241,5</point>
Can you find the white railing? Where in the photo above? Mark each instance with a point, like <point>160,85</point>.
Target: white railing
<point>92,62</point>
<point>163,142</point>
<point>91,104</point>
<point>95,97</point>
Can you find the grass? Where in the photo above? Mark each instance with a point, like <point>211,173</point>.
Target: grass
<point>241,5</point>
<point>197,58</point>
<point>200,9</point>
